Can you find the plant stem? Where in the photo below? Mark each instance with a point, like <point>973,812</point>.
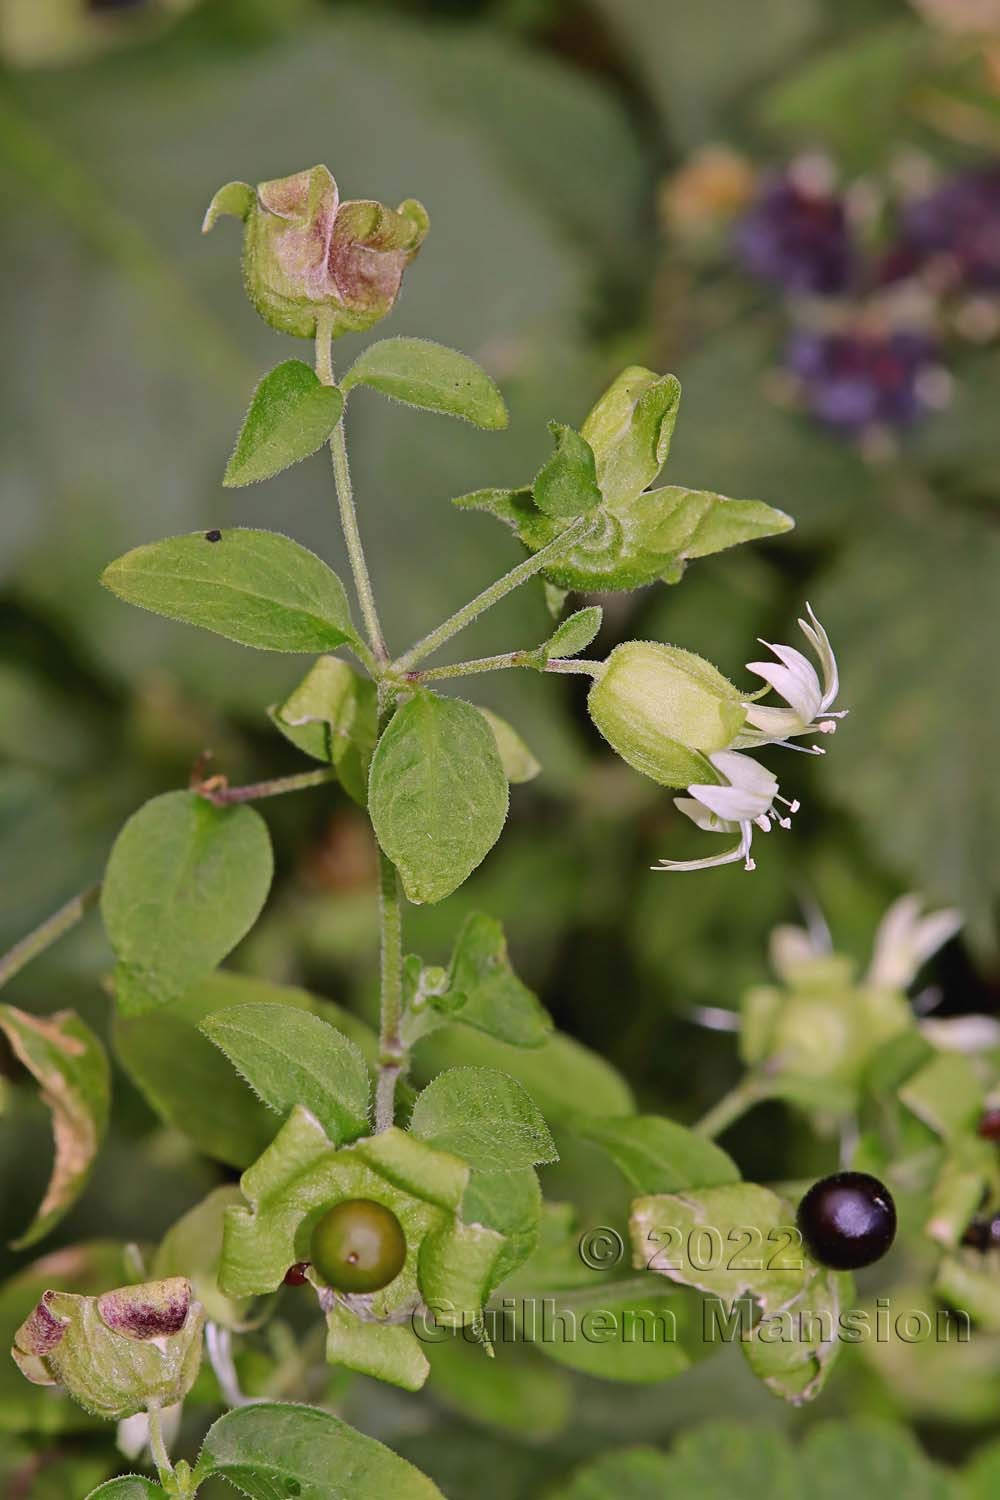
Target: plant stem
<point>158,1447</point>
<point>215,790</point>
<point>729,1108</point>
<point>490,596</point>
<point>345,500</point>
<point>392,1055</point>
<point>48,932</point>
<point>500,663</point>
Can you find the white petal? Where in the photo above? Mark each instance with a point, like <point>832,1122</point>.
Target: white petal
<point>774,723</point>
<point>795,680</point>
<point>702,817</point>
<point>820,642</point>
<point>732,803</point>
<point>905,940</point>
<point>730,857</point>
<point>745,772</point>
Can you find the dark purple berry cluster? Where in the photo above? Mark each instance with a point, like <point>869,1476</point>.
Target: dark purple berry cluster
<point>864,355</point>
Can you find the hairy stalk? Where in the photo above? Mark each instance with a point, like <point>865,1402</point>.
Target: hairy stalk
<point>48,932</point>
<point>490,596</point>
<point>392,1055</point>
<point>345,500</point>
<point>500,663</point>
<point>158,1447</point>
<point>215,789</point>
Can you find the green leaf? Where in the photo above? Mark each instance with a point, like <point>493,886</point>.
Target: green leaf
<point>484,1117</point>
<point>512,1393</point>
<point>483,991</point>
<point>186,880</point>
<point>637,1340</point>
<point>946,1094</point>
<point>291,415</point>
<point>575,633</point>
<point>942,574</point>
<point>725,1461</point>
<point>625,1474</point>
<point>629,430</point>
<point>425,374</point>
<point>794,1350</point>
<point>518,763</point>
<point>566,485</point>
<point>255,587</point>
<point>191,1085</point>
<point>557,1075</point>
<point>71,1068</point>
<point>333,715</point>
<point>657,1155</point>
<point>192,1247</point>
<point>867,1457</point>
<point>129,1487</point>
<point>290,1057</point>
<point>510,1203</point>
<point>269,1450</point>
<point>726,1241</point>
<point>437,794</point>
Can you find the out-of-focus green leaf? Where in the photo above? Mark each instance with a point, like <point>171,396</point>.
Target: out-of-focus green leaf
<point>255,587</point>
<point>510,1392</point>
<point>657,1155</point>
<point>186,880</point>
<point>864,1456</point>
<point>71,1068</point>
<point>518,763</point>
<point>290,416</point>
<point>332,715</point>
<point>914,761</point>
<point>624,1474</point>
<point>425,374</point>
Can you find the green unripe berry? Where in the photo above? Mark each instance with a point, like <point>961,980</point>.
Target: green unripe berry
<point>358,1246</point>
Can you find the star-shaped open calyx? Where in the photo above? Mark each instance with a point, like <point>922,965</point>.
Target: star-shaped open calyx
<point>448,1263</point>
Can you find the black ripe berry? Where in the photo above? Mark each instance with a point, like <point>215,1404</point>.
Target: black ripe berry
<point>983,1234</point>
<point>847,1220</point>
<point>296,1274</point>
<point>358,1246</point>
<point>989,1126</point>
<point>213,536</point>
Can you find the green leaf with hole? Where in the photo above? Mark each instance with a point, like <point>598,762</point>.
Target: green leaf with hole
<point>657,1155</point>
<point>290,1057</point>
<point>291,415</point>
<point>255,587</point>
<point>185,882</point>
<point>566,485</point>
<point>794,1350</point>
<point>486,1118</point>
<point>484,992</point>
<point>437,794</point>
<point>268,1450</point>
<point>69,1064</point>
<point>332,715</point>
<point>421,373</point>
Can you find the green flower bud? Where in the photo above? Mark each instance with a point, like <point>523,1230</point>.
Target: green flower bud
<point>305,252</point>
<point>665,711</point>
<point>117,1354</point>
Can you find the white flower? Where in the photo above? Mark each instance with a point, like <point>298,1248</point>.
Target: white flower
<point>794,678</point>
<point>906,939</point>
<point>746,799</point>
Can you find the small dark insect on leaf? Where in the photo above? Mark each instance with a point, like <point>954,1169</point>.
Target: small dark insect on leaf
<point>213,536</point>
<point>296,1275</point>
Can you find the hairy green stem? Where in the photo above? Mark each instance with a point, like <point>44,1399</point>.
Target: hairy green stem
<point>48,932</point>
<point>731,1106</point>
<point>158,1447</point>
<point>345,500</point>
<point>222,795</point>
<point>392,1054</point>
<point>490,596</point>
<point>500,663</point>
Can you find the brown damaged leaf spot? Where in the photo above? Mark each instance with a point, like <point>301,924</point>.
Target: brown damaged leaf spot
<point>41,1330</point>
<point>154,1310</point>
<point>69,1065</point>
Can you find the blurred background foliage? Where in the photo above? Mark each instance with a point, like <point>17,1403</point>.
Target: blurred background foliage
<point>586,164</point>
